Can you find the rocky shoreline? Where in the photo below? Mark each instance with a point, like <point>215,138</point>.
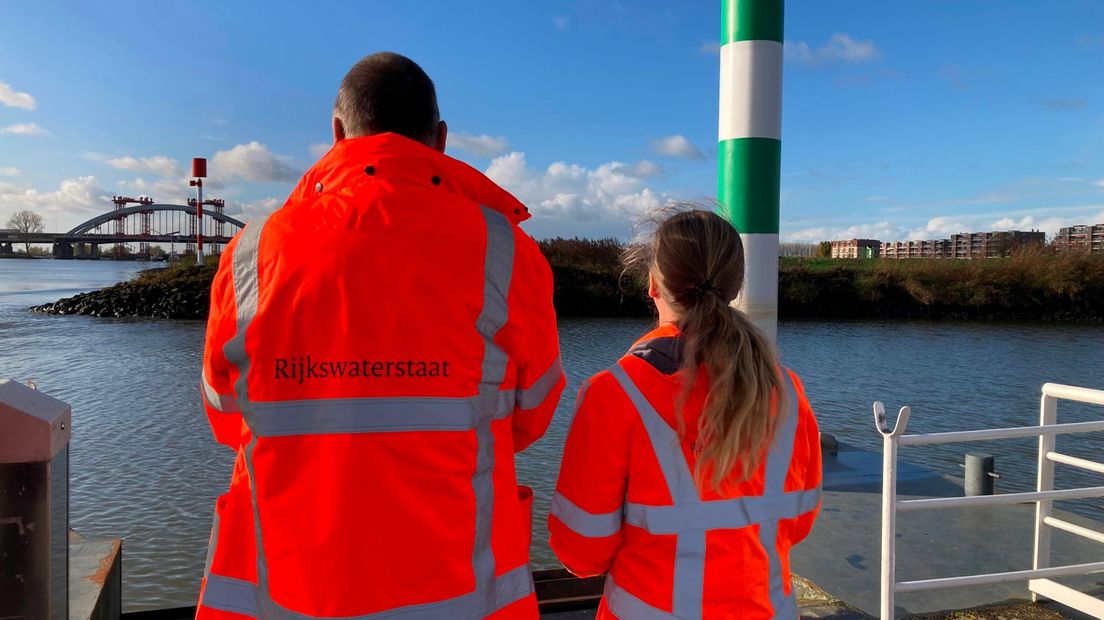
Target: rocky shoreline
<point>172,293</point>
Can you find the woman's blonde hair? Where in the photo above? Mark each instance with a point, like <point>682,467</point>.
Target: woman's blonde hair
<point>698,259</point>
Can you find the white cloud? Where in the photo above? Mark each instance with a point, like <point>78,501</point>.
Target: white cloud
<point>253,210</point>
<point>561,23</point>
<point>1007,223</point>
<point>569,199</point>
<point>839,48</point>
<point>877,230</point>
<point>158,164</point>
<point>24,129</point>
<point>644,169</point>
<point>167,190</point>
<point>14,99</point>
<point>318,149</point>
<point>252,162</point>
<point>480,145</point>
<point>937,228</point>
<point>943,226</point>
<point>676,146</point>
<point>74,201</point>
<point>10,171</point>
<point>1049,225</point>
<point>1036,202</point>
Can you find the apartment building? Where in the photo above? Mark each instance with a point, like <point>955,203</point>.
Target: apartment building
<point>965,246</point>
<point>895,249</point>
<point>1081,238</point>
<point>928,248</point>
<point>857,248</point>
<point>999,244</point>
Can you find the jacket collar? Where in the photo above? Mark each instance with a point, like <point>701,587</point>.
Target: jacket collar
<point>661,348</point>
<point>397,159</point>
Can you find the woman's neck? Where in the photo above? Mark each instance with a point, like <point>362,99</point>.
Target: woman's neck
<point>667,316</point>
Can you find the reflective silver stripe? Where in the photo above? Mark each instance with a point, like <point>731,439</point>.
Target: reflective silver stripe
<point>665,442</point>
<point>345,415</point>
<point>224,403</point>
<point>229,594</point>
<point>375,415</point>
<point>263,595</point>
<point>781,449</point>
<point>212,546</point>
<point>774,483</point>
<point>787,609</point>
<point>584,523</point>
<point>721,514</point>
<point>535,394</point>
<point>689,570</point>
<point>243,269</point>
<point>498,269</point>
<point>689,517</point>
<point>624,605</point>
<point>689,577</point>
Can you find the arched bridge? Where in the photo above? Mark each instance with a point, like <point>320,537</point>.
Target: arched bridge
<point>88,228</point>
<point>142,224</point>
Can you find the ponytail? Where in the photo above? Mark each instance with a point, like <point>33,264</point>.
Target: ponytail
<point>698,260</point>
<point>738,421</point>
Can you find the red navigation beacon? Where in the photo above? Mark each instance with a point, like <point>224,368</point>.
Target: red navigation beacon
<point>199,172</point>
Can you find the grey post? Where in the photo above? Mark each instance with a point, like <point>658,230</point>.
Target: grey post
<point>34,503</point>
<point>979,474</point>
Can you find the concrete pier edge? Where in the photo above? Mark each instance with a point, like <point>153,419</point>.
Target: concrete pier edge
<point>95,578</point>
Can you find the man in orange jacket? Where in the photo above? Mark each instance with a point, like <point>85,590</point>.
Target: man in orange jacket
<point>378,350</point>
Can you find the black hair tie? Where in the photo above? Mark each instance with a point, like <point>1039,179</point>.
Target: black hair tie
<point>705,287</point>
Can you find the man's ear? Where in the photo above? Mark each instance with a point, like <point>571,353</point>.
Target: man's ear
<point>441,137</point>
<point>338,130</point>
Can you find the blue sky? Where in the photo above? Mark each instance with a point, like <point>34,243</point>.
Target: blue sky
<point>900,119</point>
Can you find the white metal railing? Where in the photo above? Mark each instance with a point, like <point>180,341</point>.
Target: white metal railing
<point>1039,577</point>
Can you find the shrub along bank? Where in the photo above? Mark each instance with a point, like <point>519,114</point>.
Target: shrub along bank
<point>1033,285</point>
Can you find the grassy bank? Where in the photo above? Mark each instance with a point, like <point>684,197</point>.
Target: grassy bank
<point>589,282</point>
<point>1033,285</point>
<point>588,279</point>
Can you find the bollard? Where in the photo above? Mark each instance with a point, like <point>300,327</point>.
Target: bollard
<point>34,504</point>
<point>979,474</point>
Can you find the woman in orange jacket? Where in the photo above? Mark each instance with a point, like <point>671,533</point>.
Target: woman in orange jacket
<point>693,464</point>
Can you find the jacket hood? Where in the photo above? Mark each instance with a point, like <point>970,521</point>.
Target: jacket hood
<point>398,158</point>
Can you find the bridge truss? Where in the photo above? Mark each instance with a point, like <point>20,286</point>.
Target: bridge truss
<point>144,224</point>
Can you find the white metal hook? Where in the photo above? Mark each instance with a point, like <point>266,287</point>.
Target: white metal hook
<point>882,424</point>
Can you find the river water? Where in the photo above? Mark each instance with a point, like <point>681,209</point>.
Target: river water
<point>145,468</point>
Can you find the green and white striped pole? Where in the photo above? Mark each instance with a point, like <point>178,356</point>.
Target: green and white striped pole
<point>749,147</point>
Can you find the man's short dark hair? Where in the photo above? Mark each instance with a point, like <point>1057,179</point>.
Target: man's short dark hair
<point>388,92</point>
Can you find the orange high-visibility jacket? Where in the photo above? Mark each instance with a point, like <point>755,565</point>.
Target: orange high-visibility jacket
<point>378,350</point>
<point>627,502</point>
